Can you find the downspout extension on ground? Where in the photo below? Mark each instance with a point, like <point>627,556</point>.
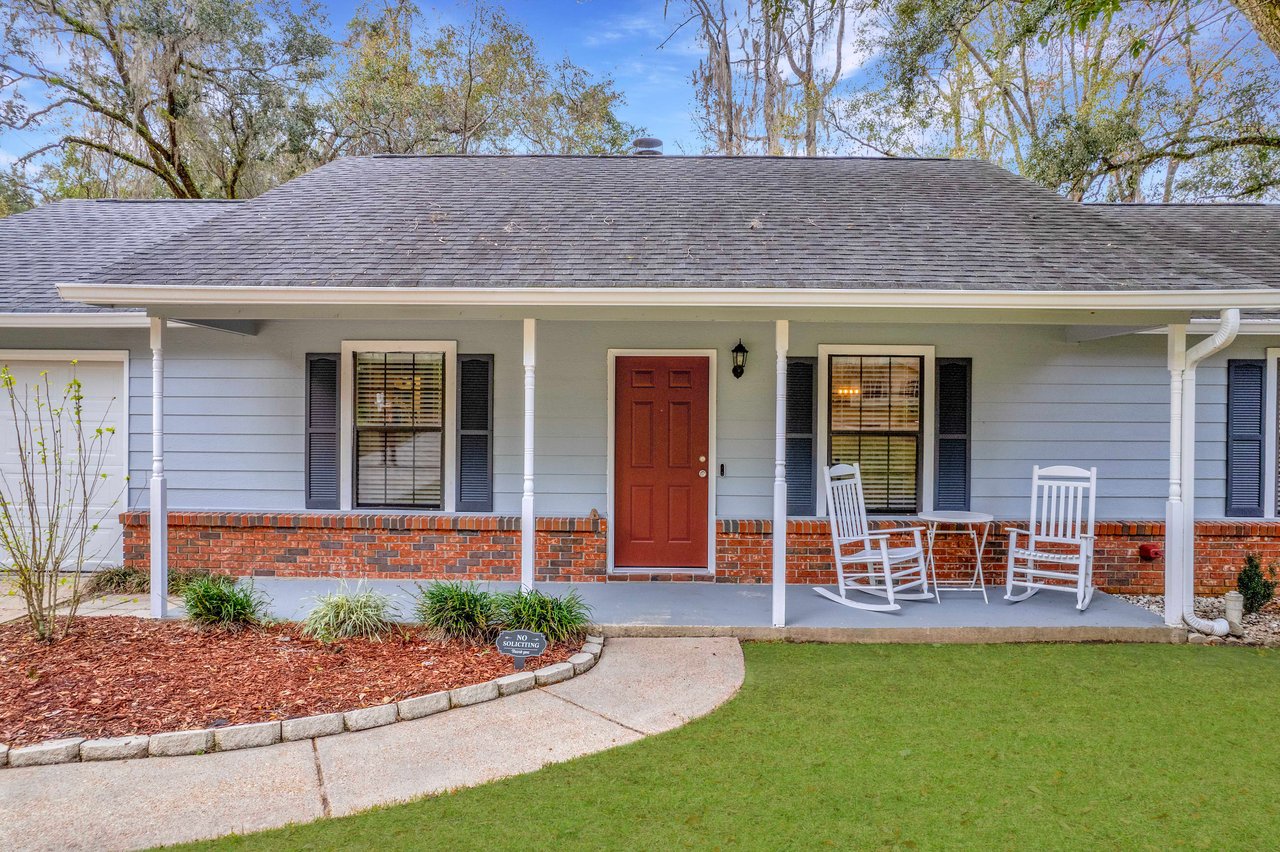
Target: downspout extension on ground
<point>1180,510</point>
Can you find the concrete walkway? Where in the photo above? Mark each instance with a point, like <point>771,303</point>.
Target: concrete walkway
<point>12,607</point>
<point>640,687</point>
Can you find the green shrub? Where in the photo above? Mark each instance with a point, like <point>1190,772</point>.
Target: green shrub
<point>120,580</point>
<point>559,619</point>
<point>220,602</point>
<point>458,611</point>
<point>123,580</point>
<point>343,614</point>
<point>1256,589</point>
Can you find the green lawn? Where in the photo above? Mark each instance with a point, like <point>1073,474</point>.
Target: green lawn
<point>1012,746</point>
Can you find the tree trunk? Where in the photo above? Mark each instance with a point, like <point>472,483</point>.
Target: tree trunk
<point>1264,15</point>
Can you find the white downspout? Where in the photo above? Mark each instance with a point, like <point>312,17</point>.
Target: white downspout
<point>1228,327</point>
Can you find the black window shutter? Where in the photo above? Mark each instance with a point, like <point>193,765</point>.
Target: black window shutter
<point>954,402</point>
<point>802,473</point>
<point>475,433</point>
<point>1246,436</point>
<point>322,431</point>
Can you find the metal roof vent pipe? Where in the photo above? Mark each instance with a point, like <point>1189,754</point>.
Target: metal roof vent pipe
<point>646,146</point>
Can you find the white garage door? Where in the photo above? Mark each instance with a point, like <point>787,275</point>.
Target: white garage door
<point>101,376</point>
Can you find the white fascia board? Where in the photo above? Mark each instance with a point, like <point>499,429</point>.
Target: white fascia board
<point>1207,325</point>
<point>129,295</point>
<point>71,319</point>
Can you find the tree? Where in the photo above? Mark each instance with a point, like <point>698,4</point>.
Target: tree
<point>52,506</point>
<point>771,72</point>
<point>14,197</point>
<point>191,99</point>
<point>477,87</point>
<point>1161,100</point>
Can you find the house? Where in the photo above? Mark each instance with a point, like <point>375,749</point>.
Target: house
<point>391,366</point>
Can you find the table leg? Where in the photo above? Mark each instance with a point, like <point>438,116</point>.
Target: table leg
<point>979,545</point>
<point>931,530</point>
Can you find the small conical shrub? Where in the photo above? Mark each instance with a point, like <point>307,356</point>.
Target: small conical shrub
<point>1256,589</point>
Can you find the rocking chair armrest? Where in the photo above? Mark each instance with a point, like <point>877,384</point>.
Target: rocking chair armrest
<point>1016,531</point>
<point>880,534</point>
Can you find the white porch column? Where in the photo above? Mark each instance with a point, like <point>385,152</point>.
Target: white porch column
<point>528,531</point>
<point>782,333</point>
<point>1175,507</point>
<point>159,521</point>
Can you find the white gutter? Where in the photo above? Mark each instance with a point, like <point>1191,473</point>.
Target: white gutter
<point>74,319</point>
<point>1228,328</point>
<point>137,295</point>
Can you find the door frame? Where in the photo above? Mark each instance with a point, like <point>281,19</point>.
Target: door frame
<point>713,471</point>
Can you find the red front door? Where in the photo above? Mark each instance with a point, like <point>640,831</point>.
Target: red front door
<point>661,471</point>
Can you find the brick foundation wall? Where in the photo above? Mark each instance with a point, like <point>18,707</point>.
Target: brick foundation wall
<point>743,553</point>
<point>354,545</point>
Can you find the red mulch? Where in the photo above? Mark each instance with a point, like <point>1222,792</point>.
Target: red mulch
<point>119,675</point>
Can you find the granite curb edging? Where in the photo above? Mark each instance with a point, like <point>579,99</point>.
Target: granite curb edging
<point>259,734</point>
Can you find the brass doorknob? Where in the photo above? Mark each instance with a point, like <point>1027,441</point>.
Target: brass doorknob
<point>702,473</point>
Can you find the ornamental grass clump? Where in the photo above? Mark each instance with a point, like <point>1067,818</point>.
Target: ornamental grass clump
<point>123,580</point>
<point>221,602</point>
<point>560,619</point>
<point>458,611</point>
<point>1256,589</point>
<point>363,613</point>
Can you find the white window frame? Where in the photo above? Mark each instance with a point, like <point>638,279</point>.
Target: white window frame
<point>346,385</point>
<point>1270,409</point>
<point>928,428</point>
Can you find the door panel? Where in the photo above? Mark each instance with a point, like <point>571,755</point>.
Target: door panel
<point>662,429</point>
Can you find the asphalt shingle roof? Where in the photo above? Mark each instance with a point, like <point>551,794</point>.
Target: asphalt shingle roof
<point>73,240</point>
<point>1244,237</point>
<point>668,222</point>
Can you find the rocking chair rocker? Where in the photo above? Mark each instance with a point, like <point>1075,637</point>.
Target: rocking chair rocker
<point>864,560</point>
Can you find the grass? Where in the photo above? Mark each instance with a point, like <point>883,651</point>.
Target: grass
<point>220,602</point>
<point>560,619</point>
<point>120,580</point>
<point>830,746</point>
<point>458,611</point>
<point>345,613</point>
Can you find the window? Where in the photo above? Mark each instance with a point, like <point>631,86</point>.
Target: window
<point>399,425</point>
<point>876,420</point>
<point>399,429</point>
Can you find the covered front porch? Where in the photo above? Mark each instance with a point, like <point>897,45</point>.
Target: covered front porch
<point>1045,385</point>
<point>746,612</point>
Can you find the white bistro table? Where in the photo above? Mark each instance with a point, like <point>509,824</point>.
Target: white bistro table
<point>976,525</point>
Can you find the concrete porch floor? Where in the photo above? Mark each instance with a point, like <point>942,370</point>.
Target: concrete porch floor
<point>743,611</point>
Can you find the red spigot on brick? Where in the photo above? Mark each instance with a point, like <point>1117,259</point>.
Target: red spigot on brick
<point>1150,552</point>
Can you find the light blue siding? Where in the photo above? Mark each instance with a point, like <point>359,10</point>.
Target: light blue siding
<point>235,404</point>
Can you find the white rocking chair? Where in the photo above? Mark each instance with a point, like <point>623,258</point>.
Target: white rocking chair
<point>1060,533</point>
<point>864,560</point>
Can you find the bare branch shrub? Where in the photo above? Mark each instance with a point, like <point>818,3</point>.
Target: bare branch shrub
<point>51,504</point>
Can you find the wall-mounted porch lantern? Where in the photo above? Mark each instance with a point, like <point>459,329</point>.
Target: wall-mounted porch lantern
<point>739,353</point>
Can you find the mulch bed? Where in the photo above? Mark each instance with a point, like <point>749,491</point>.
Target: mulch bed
<point>119,675</point>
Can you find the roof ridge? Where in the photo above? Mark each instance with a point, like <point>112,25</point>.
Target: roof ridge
<point>651,159</point>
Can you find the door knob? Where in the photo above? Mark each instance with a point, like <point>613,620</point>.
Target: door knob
<point>702,473</point>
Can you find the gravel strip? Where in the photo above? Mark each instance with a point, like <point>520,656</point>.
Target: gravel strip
<point>1260,628</point>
